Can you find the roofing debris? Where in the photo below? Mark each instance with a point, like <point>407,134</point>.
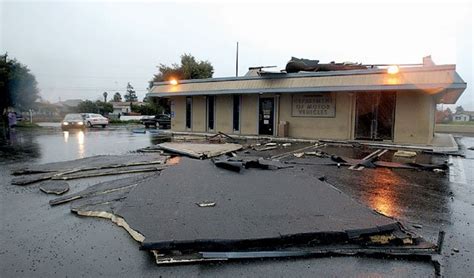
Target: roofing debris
<point>199,150</point>
<point>236,163</point>
<point>284,221</point>
<point>221,137</point>
<point>89,167</point>
<point>369,161</point>
<point>261,214</point>
<point>387,164</point>
<point>206,204</point>
<point>405,154</point>
<point>93,163</point>
<point>54,187</point>
<point>101,189</point>
<point>225,163</point>
<point>297,65</point>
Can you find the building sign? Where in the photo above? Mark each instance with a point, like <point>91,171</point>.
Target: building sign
<point>322,105</point>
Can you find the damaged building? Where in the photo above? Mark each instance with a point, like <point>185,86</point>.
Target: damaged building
<point>394,104</point>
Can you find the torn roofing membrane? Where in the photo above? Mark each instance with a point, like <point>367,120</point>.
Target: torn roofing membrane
<point>252,206</point>
<point>94,166</point>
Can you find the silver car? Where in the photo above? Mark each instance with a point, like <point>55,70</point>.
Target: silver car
<point>92,120</point>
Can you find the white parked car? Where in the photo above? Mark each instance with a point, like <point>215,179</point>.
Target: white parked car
<point>95,120</point>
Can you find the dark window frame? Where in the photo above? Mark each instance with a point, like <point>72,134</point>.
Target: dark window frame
<point>236,112</point>
<point>211,112</point>
<point>189,112</point>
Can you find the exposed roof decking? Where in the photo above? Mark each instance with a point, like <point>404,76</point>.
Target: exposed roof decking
<point>433,80</point>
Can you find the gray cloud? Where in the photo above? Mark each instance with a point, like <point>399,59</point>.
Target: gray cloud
<point>79,50</point>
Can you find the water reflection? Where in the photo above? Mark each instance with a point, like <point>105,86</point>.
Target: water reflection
<point>385,196</point>
<point>52,144</point>
<point>80,142</point>
<point>66,136</point>
<point>20,147</point>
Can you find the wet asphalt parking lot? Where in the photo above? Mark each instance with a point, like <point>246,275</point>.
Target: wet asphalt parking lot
<point>39,240</point>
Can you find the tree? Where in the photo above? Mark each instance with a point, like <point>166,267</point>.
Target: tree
<point>189,68</point>
<point>147,109</point>
<point>100,107</point>
<point>117,97</point>
<point>104,107</point>
<point>87,107</point>
<point>130,96</point>
<point>105,96</point>
<point>459,109</point>
<point>18,85</point>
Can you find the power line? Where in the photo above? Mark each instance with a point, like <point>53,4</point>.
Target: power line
<point>90,89</point>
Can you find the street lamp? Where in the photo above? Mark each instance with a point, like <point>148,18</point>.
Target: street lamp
<point>393,69</point>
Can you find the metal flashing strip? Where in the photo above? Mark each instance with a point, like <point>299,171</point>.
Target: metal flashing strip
<point>313,89</point>
<point>310,74</point>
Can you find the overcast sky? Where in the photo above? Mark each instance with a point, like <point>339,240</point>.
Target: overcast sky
<point>81,49</point>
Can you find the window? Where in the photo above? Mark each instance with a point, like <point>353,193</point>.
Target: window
<point>211,100</point>
<point>236,113</point>
<point>189,104</point>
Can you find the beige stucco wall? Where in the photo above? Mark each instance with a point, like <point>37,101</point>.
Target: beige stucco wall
<point>199,114</point>
<point>414,118</point>
<point>224,113</point>
<point>339,127</point>
<point>249,115</point>
<point>178,108</point>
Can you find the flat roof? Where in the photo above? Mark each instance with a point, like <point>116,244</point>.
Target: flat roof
<point>430,79</point>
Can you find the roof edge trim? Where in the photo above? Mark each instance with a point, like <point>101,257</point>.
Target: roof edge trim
<point>314,89</point>
<point>310,74</point>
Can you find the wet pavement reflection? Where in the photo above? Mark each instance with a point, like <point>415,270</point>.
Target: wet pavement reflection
<point>51,144</point>
<point>408,195</point>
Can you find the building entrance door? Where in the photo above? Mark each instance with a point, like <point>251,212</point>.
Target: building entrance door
<point>266,116</point>
<point>375,115</point>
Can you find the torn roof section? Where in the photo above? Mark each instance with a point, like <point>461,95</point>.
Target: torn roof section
<point>440,80</point>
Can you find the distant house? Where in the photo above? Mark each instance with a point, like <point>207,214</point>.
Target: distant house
<point>121,108</point>
<point>464,116</point>
<point>43,112</point>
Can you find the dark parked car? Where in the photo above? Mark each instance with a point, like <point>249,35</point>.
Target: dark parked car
<point>73,121</point>
<point>162,121</point>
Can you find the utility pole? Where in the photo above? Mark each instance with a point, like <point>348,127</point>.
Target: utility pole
<point>237,61</point>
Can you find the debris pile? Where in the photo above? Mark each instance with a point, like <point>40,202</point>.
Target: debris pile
<point>297,65</point>
<point>196,210</point>
<point>373,160</point>
<point>237,163</point>
<point>199,150</point>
